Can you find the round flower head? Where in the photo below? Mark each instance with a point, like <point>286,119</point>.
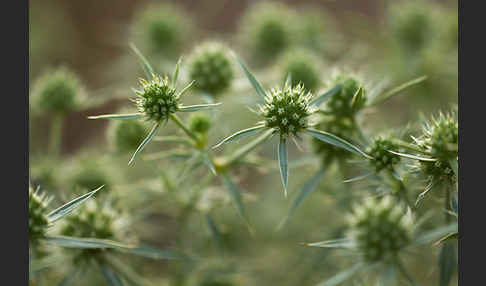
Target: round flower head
<point>126,135</point>
<point>199,123</point>
<point>157,99</point>
<point>210,68</point>
<point>287,109</point>
<point>437,172</point>
<point>91,177</point>
<point>380,228</point>
<point>302,68</point>
<point>38,221</point>
<point>341,127</point>
<point>382,158</point>
<point>164,29</point>
<point>341,103</point>
<point>94,219</point>
<point>410,23</point>
<point>440,137</point>
<point>266,30</point>
<point>57,91</point>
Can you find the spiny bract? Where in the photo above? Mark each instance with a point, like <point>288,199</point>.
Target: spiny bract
<point>210,68</point>
<point>157,99</point>
<point>380,228</point>
<point>287,109</point>
<point>341,127</point>
<point>382,159</point>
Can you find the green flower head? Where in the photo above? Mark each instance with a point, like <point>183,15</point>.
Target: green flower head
<point>382,159</point>
<point>302,68</point>
<point>157,99</point>
<point>38,222</point>
<point>380,228</point>
<point>126,135</point>
<point>341,103</point>
<point>440,137</point>
<point>199,123</point>
<point>57,91</point>
<point>210,68</point>
<point>286,109</point>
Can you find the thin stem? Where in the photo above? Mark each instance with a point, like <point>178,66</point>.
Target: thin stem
<point>240,153</point>
<point>55,135</point>
<point>179,123</point>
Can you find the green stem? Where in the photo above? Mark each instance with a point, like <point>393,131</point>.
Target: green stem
<point>184,128</point>
<point>55,135</point>
<point>240,153</point>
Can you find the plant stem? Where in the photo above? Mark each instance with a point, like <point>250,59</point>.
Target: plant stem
<point>55,135</point>
<point>240,153</point>
<point>179,123</point>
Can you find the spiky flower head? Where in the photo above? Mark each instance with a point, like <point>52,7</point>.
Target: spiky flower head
<point>199,123</point>
<point>437,172</point>
<point>94,219</point>
<point>410,23</point>
<point>210,68</point>
<point>157,99</point>
<point>38,221</point>
<point>382,159</point>
<point>341,104</point>
<point>380,228</point>
<point>342,127</point>
<point>302,68</point>
<point>163,29</point>
<point>267,29</point>
<point>440,137</point>
<point>57,91</point>
<point>126,135</point>
<point>286,109</point>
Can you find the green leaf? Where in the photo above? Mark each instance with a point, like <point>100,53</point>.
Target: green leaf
<point>283,162</point>
<point>415,157</point>
<point>396,90</point>
<point>334,243</point>
<point>145,142</point>
<point>192,108</point>
<point>241,134</point>
<point>341,277</point>
<point>185,89</point>
<point>325,96</point>
<point>358,178</point>
<point>256,85</point>
<point>176,72</point>
<point>336,141</point>
<point>447,237</point>
<point>67,208</point>
<point>153,253</point>
<point>110,276</point>
<point>117,116</point>
<point>81,242</point>
<point>235,195</point>
<point>447,263</point>
<point>149,71</point>
<point>435,234</point>
<point>309,187</point>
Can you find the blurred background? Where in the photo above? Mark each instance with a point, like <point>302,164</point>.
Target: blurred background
<point>382,41</point>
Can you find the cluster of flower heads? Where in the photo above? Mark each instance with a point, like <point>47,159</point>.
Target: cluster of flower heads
<point>380,228</point>
<point>157,99</point>
<point>287,109</point>
<point>210,68</point>
<point>341,104</point>
<point>57,91</point>
<point>38,221</point>
<point>382,159</point>
<point>342,127</point>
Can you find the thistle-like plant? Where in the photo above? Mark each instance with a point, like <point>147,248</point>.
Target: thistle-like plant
<point>286,112</point>
<point>380,231</point>
<point>157,101</point>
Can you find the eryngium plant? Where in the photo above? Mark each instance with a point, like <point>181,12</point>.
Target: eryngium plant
<point>157,101</point>
<point>302,67</point>
<point>211,68</point>
<point>380,230</point>
<point>285,112</point>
